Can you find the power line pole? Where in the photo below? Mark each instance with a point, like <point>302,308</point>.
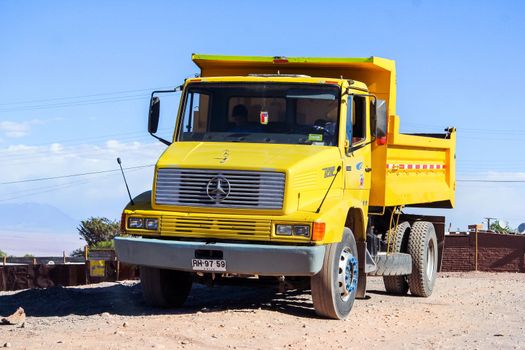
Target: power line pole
<point>488,222</point>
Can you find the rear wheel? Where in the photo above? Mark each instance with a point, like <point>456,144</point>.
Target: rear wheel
<point>422,246</point>
<point>399,244</point>
<point>334,287</point>
<point>165,288</point>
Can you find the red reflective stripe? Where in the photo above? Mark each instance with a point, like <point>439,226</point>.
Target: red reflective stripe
<point>416,166</point>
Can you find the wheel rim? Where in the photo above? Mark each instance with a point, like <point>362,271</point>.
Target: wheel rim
<point>347,274</point>
<point>431,259</point>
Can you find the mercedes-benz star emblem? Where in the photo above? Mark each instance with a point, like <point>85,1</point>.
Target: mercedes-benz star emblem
<point>218,188</point>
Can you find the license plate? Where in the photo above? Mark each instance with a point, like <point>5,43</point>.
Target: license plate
<point>208,265</point>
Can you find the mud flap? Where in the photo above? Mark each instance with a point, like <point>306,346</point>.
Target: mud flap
<point>361,282</point>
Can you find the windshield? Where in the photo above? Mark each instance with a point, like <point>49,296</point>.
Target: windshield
<point>261,113</point>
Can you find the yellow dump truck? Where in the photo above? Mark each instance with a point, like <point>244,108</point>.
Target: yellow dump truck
<point>294,170</point>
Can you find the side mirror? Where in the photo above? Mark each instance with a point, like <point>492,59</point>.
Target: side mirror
<point>153,117</point>
<point>378,121</point>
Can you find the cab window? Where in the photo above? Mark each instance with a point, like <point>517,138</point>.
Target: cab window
<point>356,119</point>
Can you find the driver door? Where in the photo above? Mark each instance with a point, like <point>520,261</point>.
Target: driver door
<point>358,161</point>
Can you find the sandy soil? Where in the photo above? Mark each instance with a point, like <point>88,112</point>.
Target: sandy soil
<point>467,310</point>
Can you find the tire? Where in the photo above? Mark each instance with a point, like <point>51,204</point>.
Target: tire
<point>422,246</point>
<point>335,286</point>
<point>392,264</point>
<point>398,285</point>
<point>165,288</point>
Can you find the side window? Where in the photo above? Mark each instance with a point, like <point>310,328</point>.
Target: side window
<point>196,113</point>
<point>358,119</point>
<point>349,118</point>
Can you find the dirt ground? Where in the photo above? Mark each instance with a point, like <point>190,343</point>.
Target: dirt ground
<point>467,310</point>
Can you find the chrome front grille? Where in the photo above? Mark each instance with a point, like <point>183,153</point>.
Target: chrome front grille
<point>227,228</point>
<point>219,188</point>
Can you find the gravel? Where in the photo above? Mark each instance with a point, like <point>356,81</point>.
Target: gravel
<point>467,310</point>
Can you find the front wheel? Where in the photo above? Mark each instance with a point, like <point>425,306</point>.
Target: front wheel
<point>334,287</point>
<point>165,288</point>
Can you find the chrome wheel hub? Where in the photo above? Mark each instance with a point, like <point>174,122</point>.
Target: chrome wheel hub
<point>431,259</point>
<point>347,274</point>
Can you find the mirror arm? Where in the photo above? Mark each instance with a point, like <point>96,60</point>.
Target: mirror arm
<point>166,142</point>
<point>352,149</point>
<point>178,88</point>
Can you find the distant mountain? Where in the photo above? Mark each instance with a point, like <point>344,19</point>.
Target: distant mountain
<point>35,217</point>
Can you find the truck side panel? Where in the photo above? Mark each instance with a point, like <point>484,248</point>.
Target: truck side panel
<point>413,170</point>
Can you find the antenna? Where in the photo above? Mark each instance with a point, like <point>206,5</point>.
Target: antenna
<point>124,176</point>
<point>329,187</point>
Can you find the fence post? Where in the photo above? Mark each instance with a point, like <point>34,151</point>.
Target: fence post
<point>86,264</point>
<point>476,249</point>
<point>476,229</point>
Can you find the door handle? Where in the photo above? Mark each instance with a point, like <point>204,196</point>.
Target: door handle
<point>367,170</point>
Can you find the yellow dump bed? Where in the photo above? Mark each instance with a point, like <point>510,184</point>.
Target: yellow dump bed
<point>416,169</point>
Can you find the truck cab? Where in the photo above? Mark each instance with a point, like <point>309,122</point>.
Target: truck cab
<point>288,167</point>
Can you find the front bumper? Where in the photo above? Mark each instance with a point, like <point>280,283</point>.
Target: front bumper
<point>250,259</point>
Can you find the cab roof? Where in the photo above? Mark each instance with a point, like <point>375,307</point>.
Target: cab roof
<point>278,78</point>
<point>377,73</point>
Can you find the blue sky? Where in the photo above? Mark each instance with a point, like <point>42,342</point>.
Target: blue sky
<point>75,79</point>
